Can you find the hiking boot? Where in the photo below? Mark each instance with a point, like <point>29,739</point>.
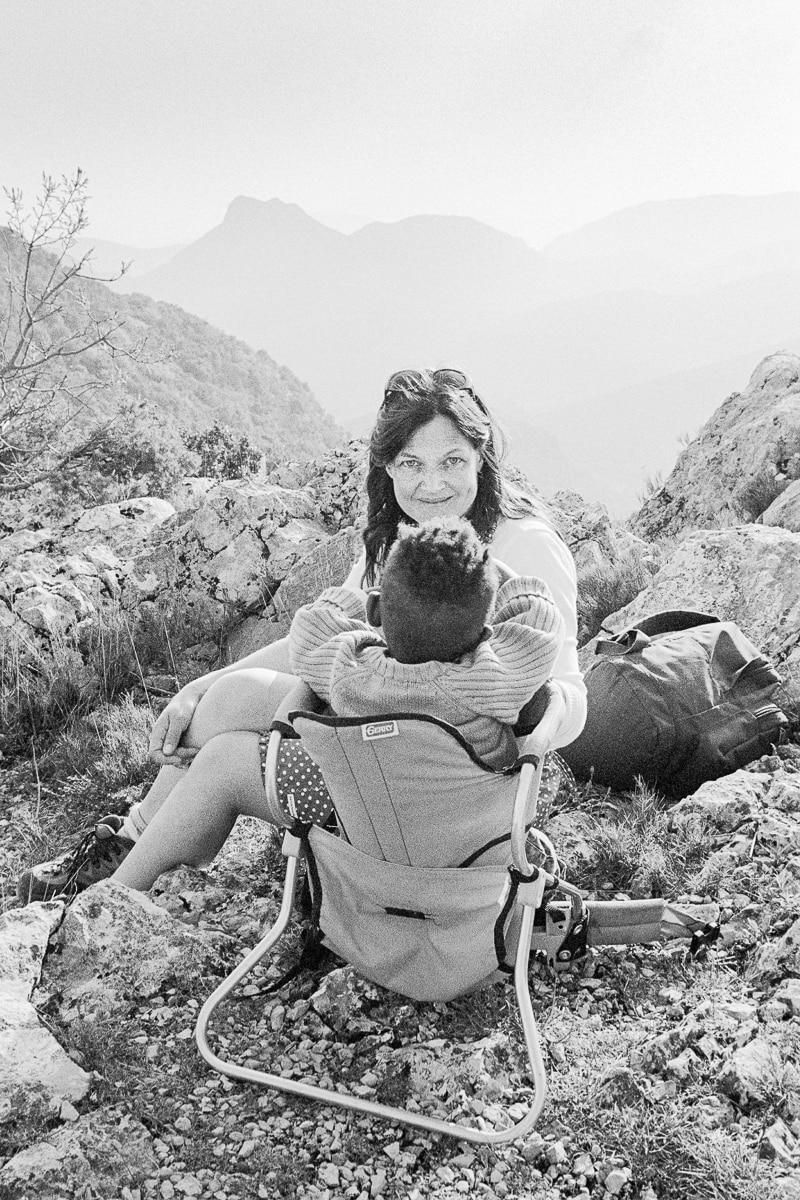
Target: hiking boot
<point>96,856</point>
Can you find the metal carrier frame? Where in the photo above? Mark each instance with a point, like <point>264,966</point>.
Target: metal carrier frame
<point>534,883</point>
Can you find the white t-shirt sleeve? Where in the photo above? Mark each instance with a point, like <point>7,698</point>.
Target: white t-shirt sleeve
<point>354,580</point>
<point>530,546</point>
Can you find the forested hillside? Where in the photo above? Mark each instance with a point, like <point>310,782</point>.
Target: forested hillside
<point>188,372</point>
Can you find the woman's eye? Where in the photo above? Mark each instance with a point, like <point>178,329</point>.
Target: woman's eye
<point>409,465</point>
<point>454,461</point>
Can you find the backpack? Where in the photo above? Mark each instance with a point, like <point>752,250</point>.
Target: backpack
<point>677,699</point>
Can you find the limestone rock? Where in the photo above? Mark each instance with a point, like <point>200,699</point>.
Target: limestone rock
<point>344,1000</point>
<point>590,533</point>
<point>723,803</point>
<point>437,1070</point>
<point>239,570</point>
<point>115,943</point>
<point>34,1069</point>
<point>785,510</point>
<point>780,958</point>
<point>618,1087</point>
<point>125,523</point>
<point>291,543</point>
<point>96,1155</point>
<point>24,934</point>
<point>337,482</point>
<point>749,574</point>
<point>788,995</point>
<point>752,1073</point>
<point>753,436</point>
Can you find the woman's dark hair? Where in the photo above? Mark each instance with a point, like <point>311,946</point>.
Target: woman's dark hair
<point>411,400</point>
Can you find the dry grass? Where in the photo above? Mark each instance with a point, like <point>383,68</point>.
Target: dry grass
<point>605,589</point>
<point>755,496</point>
<point>633,849</point>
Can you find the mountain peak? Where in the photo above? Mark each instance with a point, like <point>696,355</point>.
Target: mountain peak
<point>246,210</point>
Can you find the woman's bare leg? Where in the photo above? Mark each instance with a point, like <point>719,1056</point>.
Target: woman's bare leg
<point>244,700</point>
<point>223,782</point>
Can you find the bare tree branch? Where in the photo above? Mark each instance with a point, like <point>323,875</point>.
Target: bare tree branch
<point>59,352</point>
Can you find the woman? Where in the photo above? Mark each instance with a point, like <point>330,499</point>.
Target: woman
<point>434,451</point>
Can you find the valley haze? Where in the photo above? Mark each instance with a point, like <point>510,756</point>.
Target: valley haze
<point>599,351</point>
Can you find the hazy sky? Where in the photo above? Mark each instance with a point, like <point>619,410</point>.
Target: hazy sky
<point>533,115</point>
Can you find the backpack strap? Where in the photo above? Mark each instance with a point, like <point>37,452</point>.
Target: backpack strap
<point>636,637</point>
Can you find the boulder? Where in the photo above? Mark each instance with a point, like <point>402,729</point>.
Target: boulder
<point>35,1071</point>
<point>780,958</point>
<point>337,481</point>
<point>236,543</point>
<point>116,943</point>
<point>753,1073</point>
<point>784,511</point>
<point>724,804</point>
<point>45,610</point>
<point>739,461</point>
<point>748,573</point>
<point>125,524</point>
<point>96,1156</point>
<point>591,535</point>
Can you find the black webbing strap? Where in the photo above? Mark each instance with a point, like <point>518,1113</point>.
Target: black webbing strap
<point>500,923</point>
<point>313,953</point>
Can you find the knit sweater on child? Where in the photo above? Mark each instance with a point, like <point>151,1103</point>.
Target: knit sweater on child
<point>348,665</point>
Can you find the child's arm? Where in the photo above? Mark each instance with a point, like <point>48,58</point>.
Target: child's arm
<point>516,658</point>
<point>526,599</point>
<point>315,638</point>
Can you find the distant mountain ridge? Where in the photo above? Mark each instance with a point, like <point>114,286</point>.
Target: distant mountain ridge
<point>541,333</point>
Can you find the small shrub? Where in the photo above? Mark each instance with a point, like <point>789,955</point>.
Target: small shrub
<point>754,496</point>
<point>652,484</point>
<point>605,589</point>
<point>40,690</point>
<point>633,849</point>
<point>223,453</point>
<point>45,687</point>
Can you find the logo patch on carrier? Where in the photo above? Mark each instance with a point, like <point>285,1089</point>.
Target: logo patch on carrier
<point>379,729</point>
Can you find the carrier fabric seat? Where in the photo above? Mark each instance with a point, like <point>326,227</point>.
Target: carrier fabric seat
<point>428,944</point>
<point>405,789</point>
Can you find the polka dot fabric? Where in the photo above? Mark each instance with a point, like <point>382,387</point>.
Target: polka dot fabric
<point>301,788</point>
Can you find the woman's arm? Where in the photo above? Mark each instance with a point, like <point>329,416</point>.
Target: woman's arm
<point>530,547</point>
<point>176,716</point>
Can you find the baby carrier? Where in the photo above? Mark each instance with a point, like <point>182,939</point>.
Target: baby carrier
<point>425,885</point>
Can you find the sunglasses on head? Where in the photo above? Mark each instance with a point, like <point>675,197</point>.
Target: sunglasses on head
<point>446,376</point>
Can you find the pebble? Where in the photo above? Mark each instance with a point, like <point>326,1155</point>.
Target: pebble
<point>616,1180</point>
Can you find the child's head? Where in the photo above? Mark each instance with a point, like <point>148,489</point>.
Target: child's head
<point>437,590</point>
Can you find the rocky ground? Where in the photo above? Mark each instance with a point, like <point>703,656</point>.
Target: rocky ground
<point>669,1076</point>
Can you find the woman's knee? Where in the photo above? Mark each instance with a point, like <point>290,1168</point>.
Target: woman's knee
<point>243,700</point>
<point>228,771</point>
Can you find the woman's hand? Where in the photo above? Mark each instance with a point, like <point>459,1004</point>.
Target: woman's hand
<point>165,748</point>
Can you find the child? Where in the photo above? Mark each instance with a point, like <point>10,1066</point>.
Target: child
<point>421,643</point>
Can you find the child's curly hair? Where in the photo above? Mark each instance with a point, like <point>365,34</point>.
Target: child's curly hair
<point>437,590</point>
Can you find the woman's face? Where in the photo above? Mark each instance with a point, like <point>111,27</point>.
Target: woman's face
<point>436,473</point>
